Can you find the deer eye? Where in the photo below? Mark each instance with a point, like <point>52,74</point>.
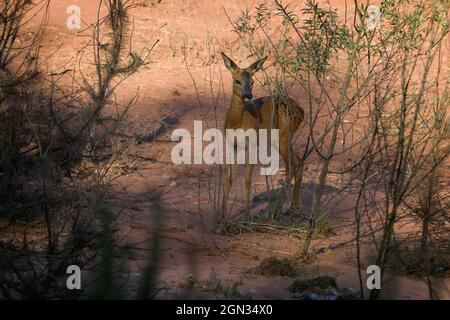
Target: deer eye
<point>238,82</point>
<point>253,82</point>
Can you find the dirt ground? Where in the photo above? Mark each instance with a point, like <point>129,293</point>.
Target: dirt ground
<point>178,81</point>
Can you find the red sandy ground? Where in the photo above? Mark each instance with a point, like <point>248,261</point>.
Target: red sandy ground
<point>201,29</point>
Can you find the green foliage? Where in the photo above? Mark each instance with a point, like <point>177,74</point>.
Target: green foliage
<point>221,290</point>
<point>324,225</point>
<point>302,284</point>
<point>278,267</point>
<point>306,45</point>
<point>322,35</point>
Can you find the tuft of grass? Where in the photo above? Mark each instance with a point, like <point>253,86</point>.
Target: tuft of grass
<point>223,290</point>
<point>277,267</point>
<point>302,284</point>
<point>324,225</point>
<point>415,264</point>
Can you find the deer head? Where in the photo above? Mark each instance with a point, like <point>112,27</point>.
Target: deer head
<point>242,78</point>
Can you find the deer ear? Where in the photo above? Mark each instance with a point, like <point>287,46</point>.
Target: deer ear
<point>229,63</point>
<point>256,66</point>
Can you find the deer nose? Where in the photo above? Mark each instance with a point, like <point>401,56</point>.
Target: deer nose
<point>248,96</point>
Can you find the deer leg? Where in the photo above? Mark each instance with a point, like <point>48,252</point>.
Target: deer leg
<point>297,183</point>
<point>231,169</point>
<point>293,171</point>
<point>248,188</point>
<point>284,152</point>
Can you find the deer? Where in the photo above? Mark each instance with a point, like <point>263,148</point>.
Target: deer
<point>267,112</point>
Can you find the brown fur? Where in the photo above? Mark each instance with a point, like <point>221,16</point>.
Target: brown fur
<point>257,114</point>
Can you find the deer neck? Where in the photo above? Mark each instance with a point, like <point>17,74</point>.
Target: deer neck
<point>235,112</point>
<point>237,102</point>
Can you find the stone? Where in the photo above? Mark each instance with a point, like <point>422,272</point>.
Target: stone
<point>349,293</point>
<point>191,280</point>
<point>322,250</point>
<point>333,246</point>
<point>331,294</point>
<point>173,184</point>
<point>306,295</point>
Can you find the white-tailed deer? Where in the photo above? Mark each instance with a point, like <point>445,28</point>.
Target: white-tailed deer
<point>262,113</point>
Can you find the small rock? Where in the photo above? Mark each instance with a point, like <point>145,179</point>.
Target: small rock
<point>331,293</point>
<point>191,280</point>
<point>301,296</point>
<point>322,250</point>
<point>333,246</point>
<point>349,293</point>
<point>173,184</point>
<point>349,290</point>
<point>306,295</point>
<point>314,296</point>
<point>165,176</point>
